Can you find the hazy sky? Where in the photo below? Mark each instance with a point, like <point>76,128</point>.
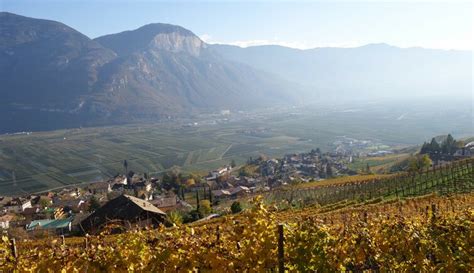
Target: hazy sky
<point>300,24</point>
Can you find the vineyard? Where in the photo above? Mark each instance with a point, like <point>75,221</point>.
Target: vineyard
<point>419,222</point>
<point>423,234</point>
<point>456,177</point>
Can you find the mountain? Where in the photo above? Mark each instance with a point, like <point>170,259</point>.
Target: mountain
<point>367,72</point>
<point>52,76</point>
<point>45,69</point>
<point>170,67</point>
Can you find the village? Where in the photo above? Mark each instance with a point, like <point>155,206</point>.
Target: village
<point>130,199</point>
<point>140,200</point>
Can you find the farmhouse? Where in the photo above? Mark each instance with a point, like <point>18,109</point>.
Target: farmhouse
<point>125,209</point>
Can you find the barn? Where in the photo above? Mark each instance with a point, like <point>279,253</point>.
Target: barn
<point>127,210</point>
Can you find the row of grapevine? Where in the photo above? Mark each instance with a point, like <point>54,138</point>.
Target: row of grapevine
<point>456,177</point>
<point>364,239</point>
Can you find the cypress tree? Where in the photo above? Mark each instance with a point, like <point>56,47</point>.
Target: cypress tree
<point>197,199</point>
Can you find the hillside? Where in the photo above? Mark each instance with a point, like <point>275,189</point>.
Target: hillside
<point>52,76</point>
<point>46,69</point>
<point>430,234</point>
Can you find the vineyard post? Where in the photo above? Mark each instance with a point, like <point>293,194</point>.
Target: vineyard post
<point>86,243</point>
<point>13,248</point>
<point>455,168</point>
<point>433,212</point>
<point>281,253</point>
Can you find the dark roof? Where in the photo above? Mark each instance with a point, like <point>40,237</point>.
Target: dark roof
<point>123,207</point>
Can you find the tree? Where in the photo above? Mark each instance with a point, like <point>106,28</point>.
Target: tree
<point>210,195</point>
<point>448,146</point>
<point>125,166</point>
<point>205,207</point>
<point>425,148</point>
<point>190,182</point>
<point>44,203</point>
<point>236,207</point>
<point>170,181</point>
<point>419,163</point>
<point>94,204</point>
<point>197,200</point>
<point>434,146</point>
<point>367,168</point>
<point>175,218</point>
<point>329,173</point>
<point>232,163</point>
<point>425,162</point>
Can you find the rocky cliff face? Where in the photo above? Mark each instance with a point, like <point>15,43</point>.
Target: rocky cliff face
<point>52,76</point>
<point>177,43</point>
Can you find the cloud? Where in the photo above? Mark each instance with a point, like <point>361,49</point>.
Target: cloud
<point>292,44</point>
<point>439,44</point>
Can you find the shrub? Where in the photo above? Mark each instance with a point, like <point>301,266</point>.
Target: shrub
<point>236,207</point>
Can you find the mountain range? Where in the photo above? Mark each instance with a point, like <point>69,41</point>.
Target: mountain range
<point>52,76</point>
<point>371,71</point>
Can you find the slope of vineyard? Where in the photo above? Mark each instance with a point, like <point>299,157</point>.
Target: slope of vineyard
<point>455,177</point>
<point>427,234</point>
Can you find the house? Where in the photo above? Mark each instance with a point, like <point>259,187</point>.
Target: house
<point>463,152</point>
<point>214,175</point>
<point>219,194</point>
<point>170,203</point>
<point>126,210</point>
<point>30,213</point>
<point>58,226</point>
<point>239,191</point>
<point>76,222</point>
<point>99,188</point>
<point>124,189</point>
<point>143,186</point>
<point>74,205</point>
<point>17,205</point>
<point>162,202</point>
<point>5,221</point>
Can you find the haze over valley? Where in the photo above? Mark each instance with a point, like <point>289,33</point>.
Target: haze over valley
<point>55,77</point>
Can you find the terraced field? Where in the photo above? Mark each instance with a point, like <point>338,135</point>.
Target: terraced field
<point>48,160</point>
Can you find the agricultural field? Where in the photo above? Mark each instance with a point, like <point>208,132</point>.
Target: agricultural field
<point>429,234</point>
<point>41,161</point>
